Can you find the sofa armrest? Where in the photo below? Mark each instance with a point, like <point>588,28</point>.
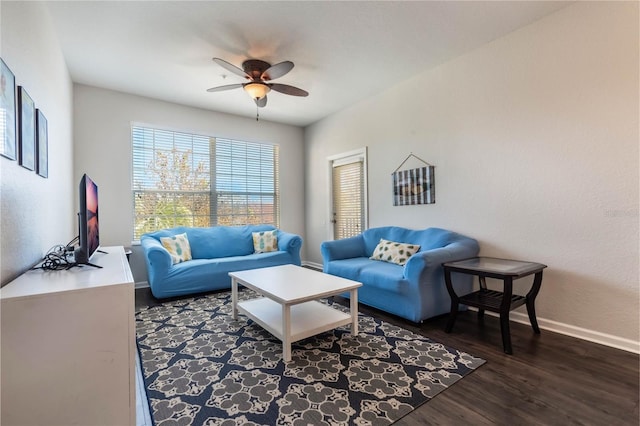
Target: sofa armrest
<point>291,243</point>
<point>346,248</point>
<point>156,256</point>
<point>422,262</point>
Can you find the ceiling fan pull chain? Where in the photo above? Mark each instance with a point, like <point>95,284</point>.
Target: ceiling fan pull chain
<point>257,113</point>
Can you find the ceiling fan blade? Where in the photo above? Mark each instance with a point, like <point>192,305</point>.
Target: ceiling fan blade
<point>230,67</point>
<point>288,90</point>
<point>277,70</point>
<point>262,102</point>
<point>227,87</point>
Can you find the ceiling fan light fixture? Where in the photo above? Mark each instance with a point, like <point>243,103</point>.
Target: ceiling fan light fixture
<point>257,90</point>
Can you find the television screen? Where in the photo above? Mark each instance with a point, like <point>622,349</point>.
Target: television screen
<point>89,235</point>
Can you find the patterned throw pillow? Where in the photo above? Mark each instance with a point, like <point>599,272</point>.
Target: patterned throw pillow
<point>265,241</point>
<point>390,251</point>
<point>178,247</point>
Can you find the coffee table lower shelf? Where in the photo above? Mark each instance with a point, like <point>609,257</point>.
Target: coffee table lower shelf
<point>306,319</point>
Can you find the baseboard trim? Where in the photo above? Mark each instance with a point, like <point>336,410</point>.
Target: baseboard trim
<point>141,284</point>
<point>313,265</point>
<point>577,332</point>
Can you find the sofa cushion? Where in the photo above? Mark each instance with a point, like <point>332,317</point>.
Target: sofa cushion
<point>427,239</point>
<point>265,241</point>
<point>349,268</point>
<point>178,247</point>
<point>394,252</point>
<point>388,276</point>
<point>223,241</point>
<point>384,275</point>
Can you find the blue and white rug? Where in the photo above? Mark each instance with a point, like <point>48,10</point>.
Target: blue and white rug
<point>201,367</point>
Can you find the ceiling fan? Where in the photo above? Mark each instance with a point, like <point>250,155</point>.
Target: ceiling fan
<point>259,74</point>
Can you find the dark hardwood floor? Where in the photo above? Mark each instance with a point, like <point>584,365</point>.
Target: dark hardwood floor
<point>551,379</point>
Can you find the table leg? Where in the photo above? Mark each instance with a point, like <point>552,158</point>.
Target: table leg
<point>505,307</point>
<point>483,286</point>
<point>531,300</point>
<point>353,309</point>
<point>454,301</point>
<point>286,333</point>
<point>234,298</point>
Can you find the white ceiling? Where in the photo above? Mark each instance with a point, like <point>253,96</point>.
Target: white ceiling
<point>343,51</point>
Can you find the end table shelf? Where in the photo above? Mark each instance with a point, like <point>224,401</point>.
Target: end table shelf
<point>501,302</point>
<point>490,300</point>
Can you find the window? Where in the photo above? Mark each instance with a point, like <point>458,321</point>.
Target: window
<point>180,179</point>
<point>348,194</point>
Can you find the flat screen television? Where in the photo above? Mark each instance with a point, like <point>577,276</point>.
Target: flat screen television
<point>89,234</point>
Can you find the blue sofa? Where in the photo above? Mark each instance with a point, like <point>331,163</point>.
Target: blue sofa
<point>216,251</point>
<point>415,291</point>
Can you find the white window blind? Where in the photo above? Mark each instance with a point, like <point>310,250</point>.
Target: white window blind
<point>181,179</point>
<point>348,199</point>
<point>246,182</point>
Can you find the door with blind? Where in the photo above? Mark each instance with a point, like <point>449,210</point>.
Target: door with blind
<point>348,194</point>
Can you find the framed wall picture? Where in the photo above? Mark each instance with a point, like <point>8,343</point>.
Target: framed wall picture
<point>42,145</point>
<point>414,186</point>
<point>7,112</point>
<point>27,126</point>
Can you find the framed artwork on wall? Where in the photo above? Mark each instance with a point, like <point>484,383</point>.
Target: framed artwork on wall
<point>27,129</point>
<point>414,186</point>
<point>42,145</point>
<point>7,112</point>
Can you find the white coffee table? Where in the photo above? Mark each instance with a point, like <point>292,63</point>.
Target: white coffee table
<point>289,307</point>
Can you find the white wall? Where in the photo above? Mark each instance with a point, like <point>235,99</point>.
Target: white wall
<point>535,142</point>
<point>36,213</point>
<point>102,130</point>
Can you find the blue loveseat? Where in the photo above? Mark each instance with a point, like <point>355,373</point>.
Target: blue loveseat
<point>415,291</point>
<point>216,251</point>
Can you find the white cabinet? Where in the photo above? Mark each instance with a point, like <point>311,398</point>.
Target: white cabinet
<point>68,345</point>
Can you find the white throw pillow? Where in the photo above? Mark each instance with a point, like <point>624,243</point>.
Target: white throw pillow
<point>393,252</point>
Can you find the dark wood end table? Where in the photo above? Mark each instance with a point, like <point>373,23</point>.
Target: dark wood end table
<point>501,302</point>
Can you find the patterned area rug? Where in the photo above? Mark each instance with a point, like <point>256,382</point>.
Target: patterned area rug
<point>201,367</point>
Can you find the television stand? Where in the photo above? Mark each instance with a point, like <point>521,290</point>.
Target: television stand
<point>75,331</point>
